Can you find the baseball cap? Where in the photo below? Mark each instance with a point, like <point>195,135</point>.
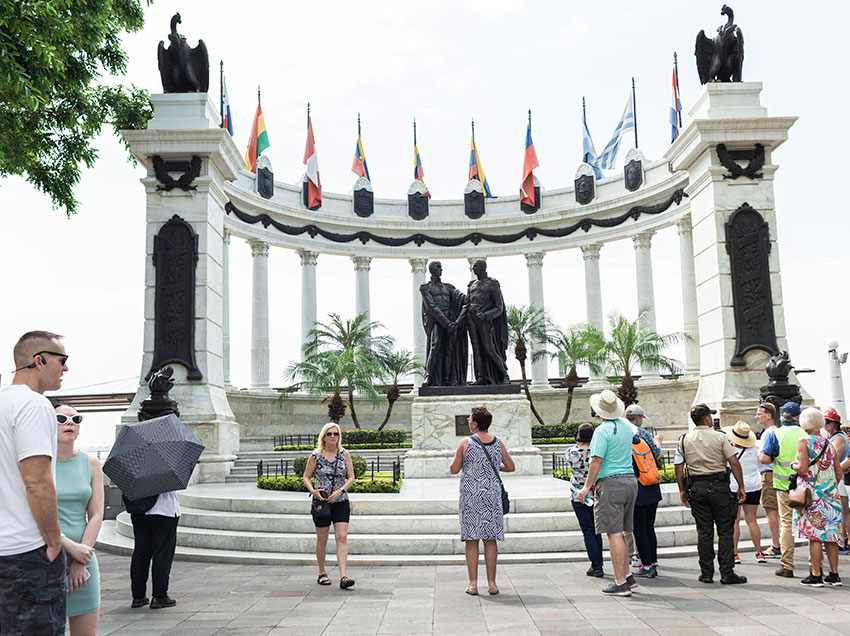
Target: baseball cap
<point>829,414</point>
<point>790,408</point>
<point>634,410</point>
<point>699,411</point>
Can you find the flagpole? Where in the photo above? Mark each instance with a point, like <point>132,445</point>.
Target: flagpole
<point>414,132</point>
<point>678,105</point>
<point>358,126</point>
<point>221,91</point>
<point>634,111</point>
<point>473,132</point>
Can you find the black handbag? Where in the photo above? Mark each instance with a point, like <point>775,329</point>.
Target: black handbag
<point>506,502</point>
<point>139,506</point>
<point>321,508</point>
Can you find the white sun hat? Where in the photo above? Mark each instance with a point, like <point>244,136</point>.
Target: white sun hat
<point>607,405</point>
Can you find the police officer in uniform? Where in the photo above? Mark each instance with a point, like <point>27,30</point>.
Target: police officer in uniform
<point>705,489</point>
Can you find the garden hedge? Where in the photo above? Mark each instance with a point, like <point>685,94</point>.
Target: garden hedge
<point>296,484</point>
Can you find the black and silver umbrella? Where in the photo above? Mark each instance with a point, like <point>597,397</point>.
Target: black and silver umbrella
<point>153,457</point>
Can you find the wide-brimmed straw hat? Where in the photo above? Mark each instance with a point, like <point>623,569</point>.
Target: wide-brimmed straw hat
<point>607,405</point>
<point>741,435</point>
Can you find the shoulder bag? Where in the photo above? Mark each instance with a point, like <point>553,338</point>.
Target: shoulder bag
<point>800,496</point>
<point>321,508</point>
<point>506,502</point>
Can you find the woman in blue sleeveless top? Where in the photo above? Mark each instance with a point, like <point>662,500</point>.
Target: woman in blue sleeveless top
<point>79,492</point>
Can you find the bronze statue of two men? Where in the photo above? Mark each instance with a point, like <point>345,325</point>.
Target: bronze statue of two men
<point>453,320</point>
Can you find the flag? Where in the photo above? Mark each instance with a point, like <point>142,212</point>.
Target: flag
<point>226,117</point>
<point>358,166</point>
<point>529,163</point>
<point>418,170</point>
<point>476,170</point>
<point>259,139</point>
<point>311,160</point>
<point>588,150</point>
<point>676,108</point>
<point>605,160</point>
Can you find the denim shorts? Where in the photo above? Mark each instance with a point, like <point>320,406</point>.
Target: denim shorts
<point>32,594</point>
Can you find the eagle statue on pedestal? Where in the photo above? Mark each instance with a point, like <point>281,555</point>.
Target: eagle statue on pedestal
<point>183,69</point>
<point>721,59</point>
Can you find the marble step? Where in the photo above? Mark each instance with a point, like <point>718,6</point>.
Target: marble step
<point>400,544</point>
<point>399,524</point>
<point>112,542</point>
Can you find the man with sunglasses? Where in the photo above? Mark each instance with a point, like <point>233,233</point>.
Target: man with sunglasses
<point>32,562</point>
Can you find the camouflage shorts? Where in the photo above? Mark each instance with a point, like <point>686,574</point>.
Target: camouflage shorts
<point>32,594</point>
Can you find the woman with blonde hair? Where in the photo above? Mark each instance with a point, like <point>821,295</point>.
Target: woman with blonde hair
<point>327,476</point>
<point>820,521</point>
<point>79,494</point>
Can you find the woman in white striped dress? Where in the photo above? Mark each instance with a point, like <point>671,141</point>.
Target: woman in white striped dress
<point>480,505</point>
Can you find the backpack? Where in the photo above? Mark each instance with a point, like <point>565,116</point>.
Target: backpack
<point>644,461</point>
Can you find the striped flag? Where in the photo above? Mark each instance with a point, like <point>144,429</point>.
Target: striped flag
<point>358,166</point>
<point>476,170</point>
<point>529,163</point>
<point>676,108</point>
<point>258,142</point>
<point>606,159</point>
<point>226,117</point>
<point>311,160</point>
<point>588,150</point>
<point>418,170</point>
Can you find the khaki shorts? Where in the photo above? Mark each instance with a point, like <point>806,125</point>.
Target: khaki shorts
<point>615,504</point>
<point>768,494</point>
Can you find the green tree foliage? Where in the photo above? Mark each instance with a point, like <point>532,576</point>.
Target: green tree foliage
<point>526,324</point>
<point>396,364</point>
<point>52,56</point>
<point>578,344</point>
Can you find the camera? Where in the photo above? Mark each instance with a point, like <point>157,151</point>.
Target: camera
<point>716,423</point>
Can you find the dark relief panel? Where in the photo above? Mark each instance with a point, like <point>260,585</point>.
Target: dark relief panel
<point>473,204</point>
<point>417,206</point>
<point>748,245</point>
<point>175,257</point>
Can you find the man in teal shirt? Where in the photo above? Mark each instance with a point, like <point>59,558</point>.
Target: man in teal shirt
<point>612,477</point>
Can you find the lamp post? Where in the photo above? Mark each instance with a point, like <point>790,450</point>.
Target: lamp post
<point>836,383</point>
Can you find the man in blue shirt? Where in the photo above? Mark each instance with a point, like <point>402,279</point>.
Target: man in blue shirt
<point>612,477</point>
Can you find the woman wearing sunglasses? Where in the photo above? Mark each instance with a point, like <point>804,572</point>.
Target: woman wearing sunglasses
<point>79,492</point>
<point>331,466</point>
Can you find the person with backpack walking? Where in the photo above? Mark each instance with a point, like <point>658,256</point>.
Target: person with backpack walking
<point>744,441</point>
<point>645,462</point>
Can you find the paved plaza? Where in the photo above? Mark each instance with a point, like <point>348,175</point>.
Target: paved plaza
<point>534,599</point>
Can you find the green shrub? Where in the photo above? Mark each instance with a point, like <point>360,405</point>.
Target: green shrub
<point>296,484</point>
<point>542,441</point>
<point>370,446</point>
<point>359,462</point>
<point>387,437</point>
<point>555,430</point>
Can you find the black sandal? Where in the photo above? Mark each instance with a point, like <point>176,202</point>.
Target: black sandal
<point>323,579</point>
<point>345,583</point>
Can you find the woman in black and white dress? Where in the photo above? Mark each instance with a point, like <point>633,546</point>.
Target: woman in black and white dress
<point>480,504</point>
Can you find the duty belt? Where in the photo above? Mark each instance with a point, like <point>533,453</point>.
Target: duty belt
<point>710,477</point>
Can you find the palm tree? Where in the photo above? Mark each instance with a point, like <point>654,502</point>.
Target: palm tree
<point>579,344</point>
<point>343,350</point>
<point>397,364</point>
<point>630,345</point>
<point>526,324</point>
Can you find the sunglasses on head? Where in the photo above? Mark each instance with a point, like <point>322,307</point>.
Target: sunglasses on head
<point>332,434</point>
<point>76,419</point>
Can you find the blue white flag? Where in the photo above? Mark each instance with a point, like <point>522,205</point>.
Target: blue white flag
<point>588,150</point>
<point>606,159</point>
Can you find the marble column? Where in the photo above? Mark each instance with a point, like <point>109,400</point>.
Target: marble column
<point>417,269</point>
<point>540,367</point>
<point>225,296</point>
<point>309,310</point>
<point>593,290</point>
<point>645,290</point>
<point>690,326</point>
<point>260,315</point>
<point>362,265</point>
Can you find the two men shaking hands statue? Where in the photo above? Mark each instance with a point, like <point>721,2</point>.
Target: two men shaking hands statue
<point>452,320</point>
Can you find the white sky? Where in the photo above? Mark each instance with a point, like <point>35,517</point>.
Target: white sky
<point>443,62</point>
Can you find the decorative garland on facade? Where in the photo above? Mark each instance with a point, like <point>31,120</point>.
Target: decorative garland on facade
<point>474,237</point>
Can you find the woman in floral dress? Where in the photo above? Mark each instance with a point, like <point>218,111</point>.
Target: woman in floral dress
<point>820,522</point>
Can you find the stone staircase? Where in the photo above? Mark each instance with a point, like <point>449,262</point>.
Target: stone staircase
<point>239,523</point>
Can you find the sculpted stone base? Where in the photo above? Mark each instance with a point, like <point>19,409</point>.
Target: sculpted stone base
<point>435,432</point>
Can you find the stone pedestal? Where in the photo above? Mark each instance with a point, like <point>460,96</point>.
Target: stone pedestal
<point>731,115</point>
<point>185,127</point>
<point>437,430</point>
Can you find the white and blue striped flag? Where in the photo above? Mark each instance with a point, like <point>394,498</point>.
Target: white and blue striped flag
<point>605,160</point>
<point>588,150</point>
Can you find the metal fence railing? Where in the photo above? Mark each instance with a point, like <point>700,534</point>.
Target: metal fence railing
<point>309,439</point>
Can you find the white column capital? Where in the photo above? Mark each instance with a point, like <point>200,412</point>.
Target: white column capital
<point>259,248</point>
<point>418,265</point>
<point>361,263</point>
<point>226,236</point>
<point>534,259</point>
<point>684,225</point>
<point>643,240</point>
<point>590,251</point>
<point>308,258</point>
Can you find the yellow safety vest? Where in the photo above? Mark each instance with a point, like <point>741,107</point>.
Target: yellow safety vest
<point>787,436</point>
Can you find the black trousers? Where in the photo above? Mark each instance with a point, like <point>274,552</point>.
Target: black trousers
<point>712,504</point>
<point>592,541</point>
<point>155,541</point>
<point>644,531</point>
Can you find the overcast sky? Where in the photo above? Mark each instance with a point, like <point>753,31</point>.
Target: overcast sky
<point>443,62</point>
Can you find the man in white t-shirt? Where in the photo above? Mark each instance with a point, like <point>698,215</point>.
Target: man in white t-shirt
<point>32,562</point>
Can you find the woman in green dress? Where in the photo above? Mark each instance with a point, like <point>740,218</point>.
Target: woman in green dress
<point>79,491</point>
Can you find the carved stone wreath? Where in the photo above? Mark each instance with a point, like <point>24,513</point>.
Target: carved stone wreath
<point>729,159</point>
<point>190,170</point>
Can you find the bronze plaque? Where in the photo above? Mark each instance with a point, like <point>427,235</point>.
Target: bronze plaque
<point>462,425</point>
